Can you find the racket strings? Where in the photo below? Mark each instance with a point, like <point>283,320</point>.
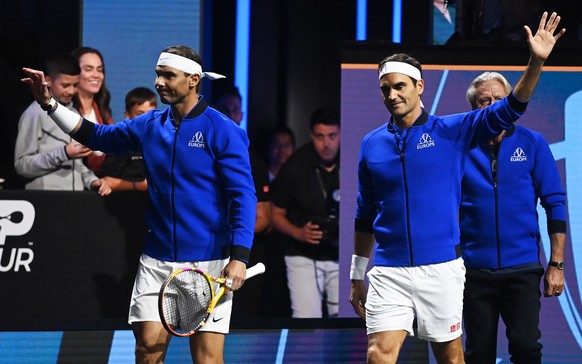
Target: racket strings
<point>186,300</point>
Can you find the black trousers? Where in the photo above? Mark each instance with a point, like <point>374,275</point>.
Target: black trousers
<point>515,297</point>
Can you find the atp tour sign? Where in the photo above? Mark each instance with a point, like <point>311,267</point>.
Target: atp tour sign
<point>555,111</point>
<point>74,248</point>
<point>16,219</point>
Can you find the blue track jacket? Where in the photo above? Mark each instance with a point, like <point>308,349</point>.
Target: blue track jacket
<point>410,182</point>
<point>499,219</point>
<point>202,197</point>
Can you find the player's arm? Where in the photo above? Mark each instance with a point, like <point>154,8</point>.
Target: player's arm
<point>554,278</point>
<point>548,187</point>
<point>118,184</point>
<point>540,45</point>
<point>363,244</point>
<point>233,167</point>
<point>67,120</point>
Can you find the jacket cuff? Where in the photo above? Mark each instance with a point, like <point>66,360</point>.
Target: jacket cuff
<point>239,252</point>
<point>516,104</point>
<point>364,226</point>
<point>556,226</point>
<point>84,131</point>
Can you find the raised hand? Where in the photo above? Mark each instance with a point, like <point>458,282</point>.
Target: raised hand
<point>542,43</point>
<point>540,47</point>
<point>38,85</point>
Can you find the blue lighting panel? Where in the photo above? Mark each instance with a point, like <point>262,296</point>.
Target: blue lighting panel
<point>397,22</point>
<point>131,37</point>
<point>361,19</point>
<point>241,57</point>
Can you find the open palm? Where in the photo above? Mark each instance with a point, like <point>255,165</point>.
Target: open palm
<point>542,43</point>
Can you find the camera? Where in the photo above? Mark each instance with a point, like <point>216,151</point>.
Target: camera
<point>329,226</point>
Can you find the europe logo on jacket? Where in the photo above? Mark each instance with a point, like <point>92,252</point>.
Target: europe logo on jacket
<point>425,142</point>
<point>197,140</point>
<point>518,156</point>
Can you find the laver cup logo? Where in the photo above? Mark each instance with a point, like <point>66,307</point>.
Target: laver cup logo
<point>16,219</point>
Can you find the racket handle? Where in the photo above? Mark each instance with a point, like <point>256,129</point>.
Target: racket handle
<point>256,269</point>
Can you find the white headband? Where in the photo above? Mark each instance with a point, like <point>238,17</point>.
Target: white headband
<point>400,67</point>
<point>185,65</point>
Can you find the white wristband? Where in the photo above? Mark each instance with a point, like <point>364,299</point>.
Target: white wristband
<point>358,267</point>
<point>66,119</point>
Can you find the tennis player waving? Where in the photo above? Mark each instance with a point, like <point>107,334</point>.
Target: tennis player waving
<point>202,199</point>
<point>410,172</point>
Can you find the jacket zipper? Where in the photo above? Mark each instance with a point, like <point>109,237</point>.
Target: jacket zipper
<point>403,163</point>
<point>493,154</point>
<point>175,241</point>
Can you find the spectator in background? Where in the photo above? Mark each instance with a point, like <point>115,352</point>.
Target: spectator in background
<point>126,172</point>
<point>45,156</point>
<point>305,204</point>
<point>280,146</point>
<point>248,299</point>
<point>503,180</point>
<point>92,100</point>
<point>229,103</point>
<point>275,295</point>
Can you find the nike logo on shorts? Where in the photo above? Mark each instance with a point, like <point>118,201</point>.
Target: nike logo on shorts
<point>214,319</point>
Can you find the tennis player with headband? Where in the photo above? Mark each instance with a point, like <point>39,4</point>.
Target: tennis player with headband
<point>410,172</point>
<point>202,199</point>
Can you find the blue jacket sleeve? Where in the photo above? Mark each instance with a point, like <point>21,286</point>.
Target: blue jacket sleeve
<point>483,124</point>
<point>234,169</point>
<point>120,138</point>
<point>366,210</point>
<point>548,186</point>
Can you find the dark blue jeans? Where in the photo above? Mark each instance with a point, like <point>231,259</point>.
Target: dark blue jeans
<point>513,296</point>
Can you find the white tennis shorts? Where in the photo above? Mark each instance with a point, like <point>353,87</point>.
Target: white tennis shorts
<point>432,293</point>
<point>151,273</point>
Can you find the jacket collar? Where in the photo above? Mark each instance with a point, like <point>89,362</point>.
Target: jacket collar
<point>421,120</point>
<point>196,111</point>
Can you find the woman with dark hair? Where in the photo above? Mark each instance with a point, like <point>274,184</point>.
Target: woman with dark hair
<point>93,97</point>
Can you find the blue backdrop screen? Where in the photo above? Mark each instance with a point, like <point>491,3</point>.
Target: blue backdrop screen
<point>131,37</point>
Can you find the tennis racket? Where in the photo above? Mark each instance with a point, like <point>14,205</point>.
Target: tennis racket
<point>187,298</point>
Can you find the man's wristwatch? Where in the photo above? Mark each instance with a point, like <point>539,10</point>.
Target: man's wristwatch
<point>50,106</point>
<point>559,265</point>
